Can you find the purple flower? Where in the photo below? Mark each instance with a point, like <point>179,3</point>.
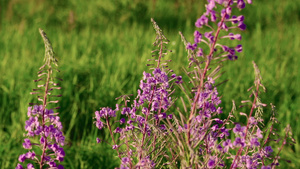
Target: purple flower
<point>30,155</point>
<point>52,164</point>
<point>125,110</point>
<point>124,167</point>
<point>252,121</point>
<point>191,46</point>
<point>27,144</point>
<point>118,130</point>
<point>225,48</point>
<point>125,160</point>
<point>200,52</point>
<point>19,166</point>
<point>98,140</point>
<point>197,36</point>
<point>114,146</point>
<point>146,163</point>
<point>254,142</point>
<point>60,154</point>
<point>213,16</point>
<point>211,163</point>
<point>99,124</point>
<point>228,10</point>
<point>258,133</point>
<point>268,149</point>
<point>240,4</point>
<point>122,121</point>
<point>22,158</point>
<point>242,26</point>
<point>209,36</point>
<point>239,48</point>
<point>30,166</point>
<point>239,142</point>
<point>210,5</point>
<point>162,115</point>
<point>60,167</point>
<point>227,144</point>
<point>239,130</point>
<point>203,20</point>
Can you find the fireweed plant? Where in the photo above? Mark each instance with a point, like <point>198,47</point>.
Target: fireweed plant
<point>149,134</point>
<point>44,137</point>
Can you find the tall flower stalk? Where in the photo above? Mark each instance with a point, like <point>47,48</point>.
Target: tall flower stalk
<point>140,138</point>
<point>43,128</point>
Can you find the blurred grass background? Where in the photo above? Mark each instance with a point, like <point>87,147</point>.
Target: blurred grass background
<point>103,46</point>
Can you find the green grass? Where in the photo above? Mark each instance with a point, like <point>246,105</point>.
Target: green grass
<point>103,51</point>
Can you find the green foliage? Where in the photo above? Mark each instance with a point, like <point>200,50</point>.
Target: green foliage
<point>103,49</point>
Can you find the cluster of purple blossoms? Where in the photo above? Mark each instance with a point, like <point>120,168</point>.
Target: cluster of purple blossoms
<point>214,140</point>
<point>50,134</point>
<point>254,154</point>
<point>223,19</point>
<point>154,89</point>
<point>150,104</point>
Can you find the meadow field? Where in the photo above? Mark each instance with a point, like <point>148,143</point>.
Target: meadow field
<point>103,46</point>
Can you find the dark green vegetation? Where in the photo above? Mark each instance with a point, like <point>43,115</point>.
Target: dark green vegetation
<point>102,48</point>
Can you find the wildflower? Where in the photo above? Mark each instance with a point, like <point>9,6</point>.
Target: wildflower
<point>239,130</point>
<point>27,144</point>
<point>239,142</point>
<point>211,163</point>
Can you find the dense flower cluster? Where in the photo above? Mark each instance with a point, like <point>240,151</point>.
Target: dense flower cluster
<point>152,100</point>
<point>50,135</point>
